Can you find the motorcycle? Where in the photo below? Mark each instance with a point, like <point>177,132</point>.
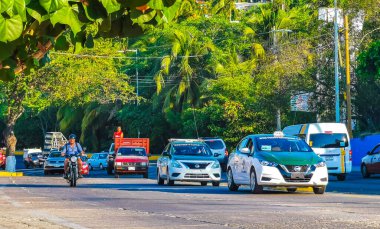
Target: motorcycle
<point>73,173</point>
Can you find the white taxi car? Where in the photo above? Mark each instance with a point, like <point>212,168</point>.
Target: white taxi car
<point>276,160</point>
<point>188,160</point>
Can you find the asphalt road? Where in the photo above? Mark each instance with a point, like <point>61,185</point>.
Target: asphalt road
<point>133,202</point>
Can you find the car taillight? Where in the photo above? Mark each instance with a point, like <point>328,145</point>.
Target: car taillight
<point>350,155</point>
<point>226,153</point>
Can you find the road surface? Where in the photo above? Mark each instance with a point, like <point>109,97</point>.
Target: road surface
<point>133,202</point>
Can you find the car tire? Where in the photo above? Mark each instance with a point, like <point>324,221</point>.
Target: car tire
<point>341,177</point>
<point>116,175</point>
<point>364,171</point>
<point>90,167</point>
<point>160,181</point>
<point>46,172</point>
<point>253,186</point>
<point>319,190</point>
<point>101,167</point>
<point>216,183</point>
<point>230,181</point>
<point>168,180</point>
<point>145,175</point>
<point>291,190</point>
<point>203,183</point>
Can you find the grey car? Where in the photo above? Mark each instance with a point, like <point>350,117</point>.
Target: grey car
<point>54,163</point>
<point>219,149</point>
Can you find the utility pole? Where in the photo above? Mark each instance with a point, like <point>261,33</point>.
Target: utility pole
<point>337,108</point>
<point>348,77</point>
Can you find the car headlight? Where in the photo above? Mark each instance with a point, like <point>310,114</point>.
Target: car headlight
<point>268,163</point>
<point>118,163</point>
<point>176,164</point>
<point>320,164</point>
<point>215,165</point>
<point>143,163</point>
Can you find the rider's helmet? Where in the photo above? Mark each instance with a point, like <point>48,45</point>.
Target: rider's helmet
<point>72,136</point>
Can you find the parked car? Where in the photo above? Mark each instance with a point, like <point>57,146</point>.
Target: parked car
<point>219,149</point>
<point>33,158</point>
<point>371,162</point>
<point>98,161</point>
<point>331,141</point>
<point>275,160</point>
<point>54,163</point>
<point>188,160</point>
<point>85,166</point>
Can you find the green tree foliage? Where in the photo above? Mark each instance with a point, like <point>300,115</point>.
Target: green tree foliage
<point>368,88</point>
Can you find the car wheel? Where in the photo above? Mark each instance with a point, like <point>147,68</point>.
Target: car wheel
<point>116,175</point>
<point>230,181</point>
<point>341,177</point>
<point>46,172</point>
<point>291,190</point>
<point>364,171</point>
<point>204,183</point>
<point>168,180</point>
<point>319,190</point>
<point>253,186</point>
<point>215,183</point>
<point>101,167</point>
<point>90,167</point>
<point>145,175</point>
<point>160,181</point>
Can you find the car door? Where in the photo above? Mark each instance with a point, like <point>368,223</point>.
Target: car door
<point>163,161</point>
<point>103,159</point>
<point>94,161</point>
<point>238,162</point>
<point>374,166</point>
<point>246,162</point>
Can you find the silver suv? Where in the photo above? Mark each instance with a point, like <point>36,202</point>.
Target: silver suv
<point>219,149</point>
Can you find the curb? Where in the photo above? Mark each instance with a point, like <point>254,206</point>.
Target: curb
<point>11,174</point>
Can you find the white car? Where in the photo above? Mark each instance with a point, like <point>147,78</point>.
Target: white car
<point>188,160</point>
<point>274,160</point>
<point>98,160</point>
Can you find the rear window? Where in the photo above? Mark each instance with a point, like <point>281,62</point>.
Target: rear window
<point>324,140</point>
<point>215,144</point>
<point>131,152</point>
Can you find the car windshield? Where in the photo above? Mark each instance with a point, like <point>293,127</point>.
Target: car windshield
<point>325,140</point>
<point>273,144</point>
<point>131,152</point>
<point>191,150</point>
<point>55,154</point>
<point>215,144</point>
<point>103,156</point>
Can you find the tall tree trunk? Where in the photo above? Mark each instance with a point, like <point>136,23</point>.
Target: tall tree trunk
<point>278,118</point>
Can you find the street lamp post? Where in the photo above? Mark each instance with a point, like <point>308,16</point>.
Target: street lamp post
<point>337,113</point>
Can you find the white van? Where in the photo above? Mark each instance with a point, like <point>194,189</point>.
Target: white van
<point>331,141</point>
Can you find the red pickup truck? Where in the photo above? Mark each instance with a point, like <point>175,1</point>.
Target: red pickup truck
<point>3,160</point>
<point>131,156</point>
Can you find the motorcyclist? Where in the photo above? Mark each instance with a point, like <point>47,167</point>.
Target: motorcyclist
<point>69,149</point>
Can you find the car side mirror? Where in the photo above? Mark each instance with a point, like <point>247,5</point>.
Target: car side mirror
<point>368,153</point>
<point>216,154</point>
<point>245,151</point>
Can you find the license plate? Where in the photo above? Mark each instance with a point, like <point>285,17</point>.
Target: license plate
<point>297,175</point>
<point>329,158</point>
<point>131,168</point>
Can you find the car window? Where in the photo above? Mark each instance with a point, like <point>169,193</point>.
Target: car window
<point>242,143</point>
<point>94,156</point>
<point>275,144</point>
<point>250,145</point>
<point>215,144</point>
<point>376,150</point>
<point>102,156</point>
<point>191,150</point>
<point>131,152</point>
<point>326,140</point>
<point>55,154</point>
